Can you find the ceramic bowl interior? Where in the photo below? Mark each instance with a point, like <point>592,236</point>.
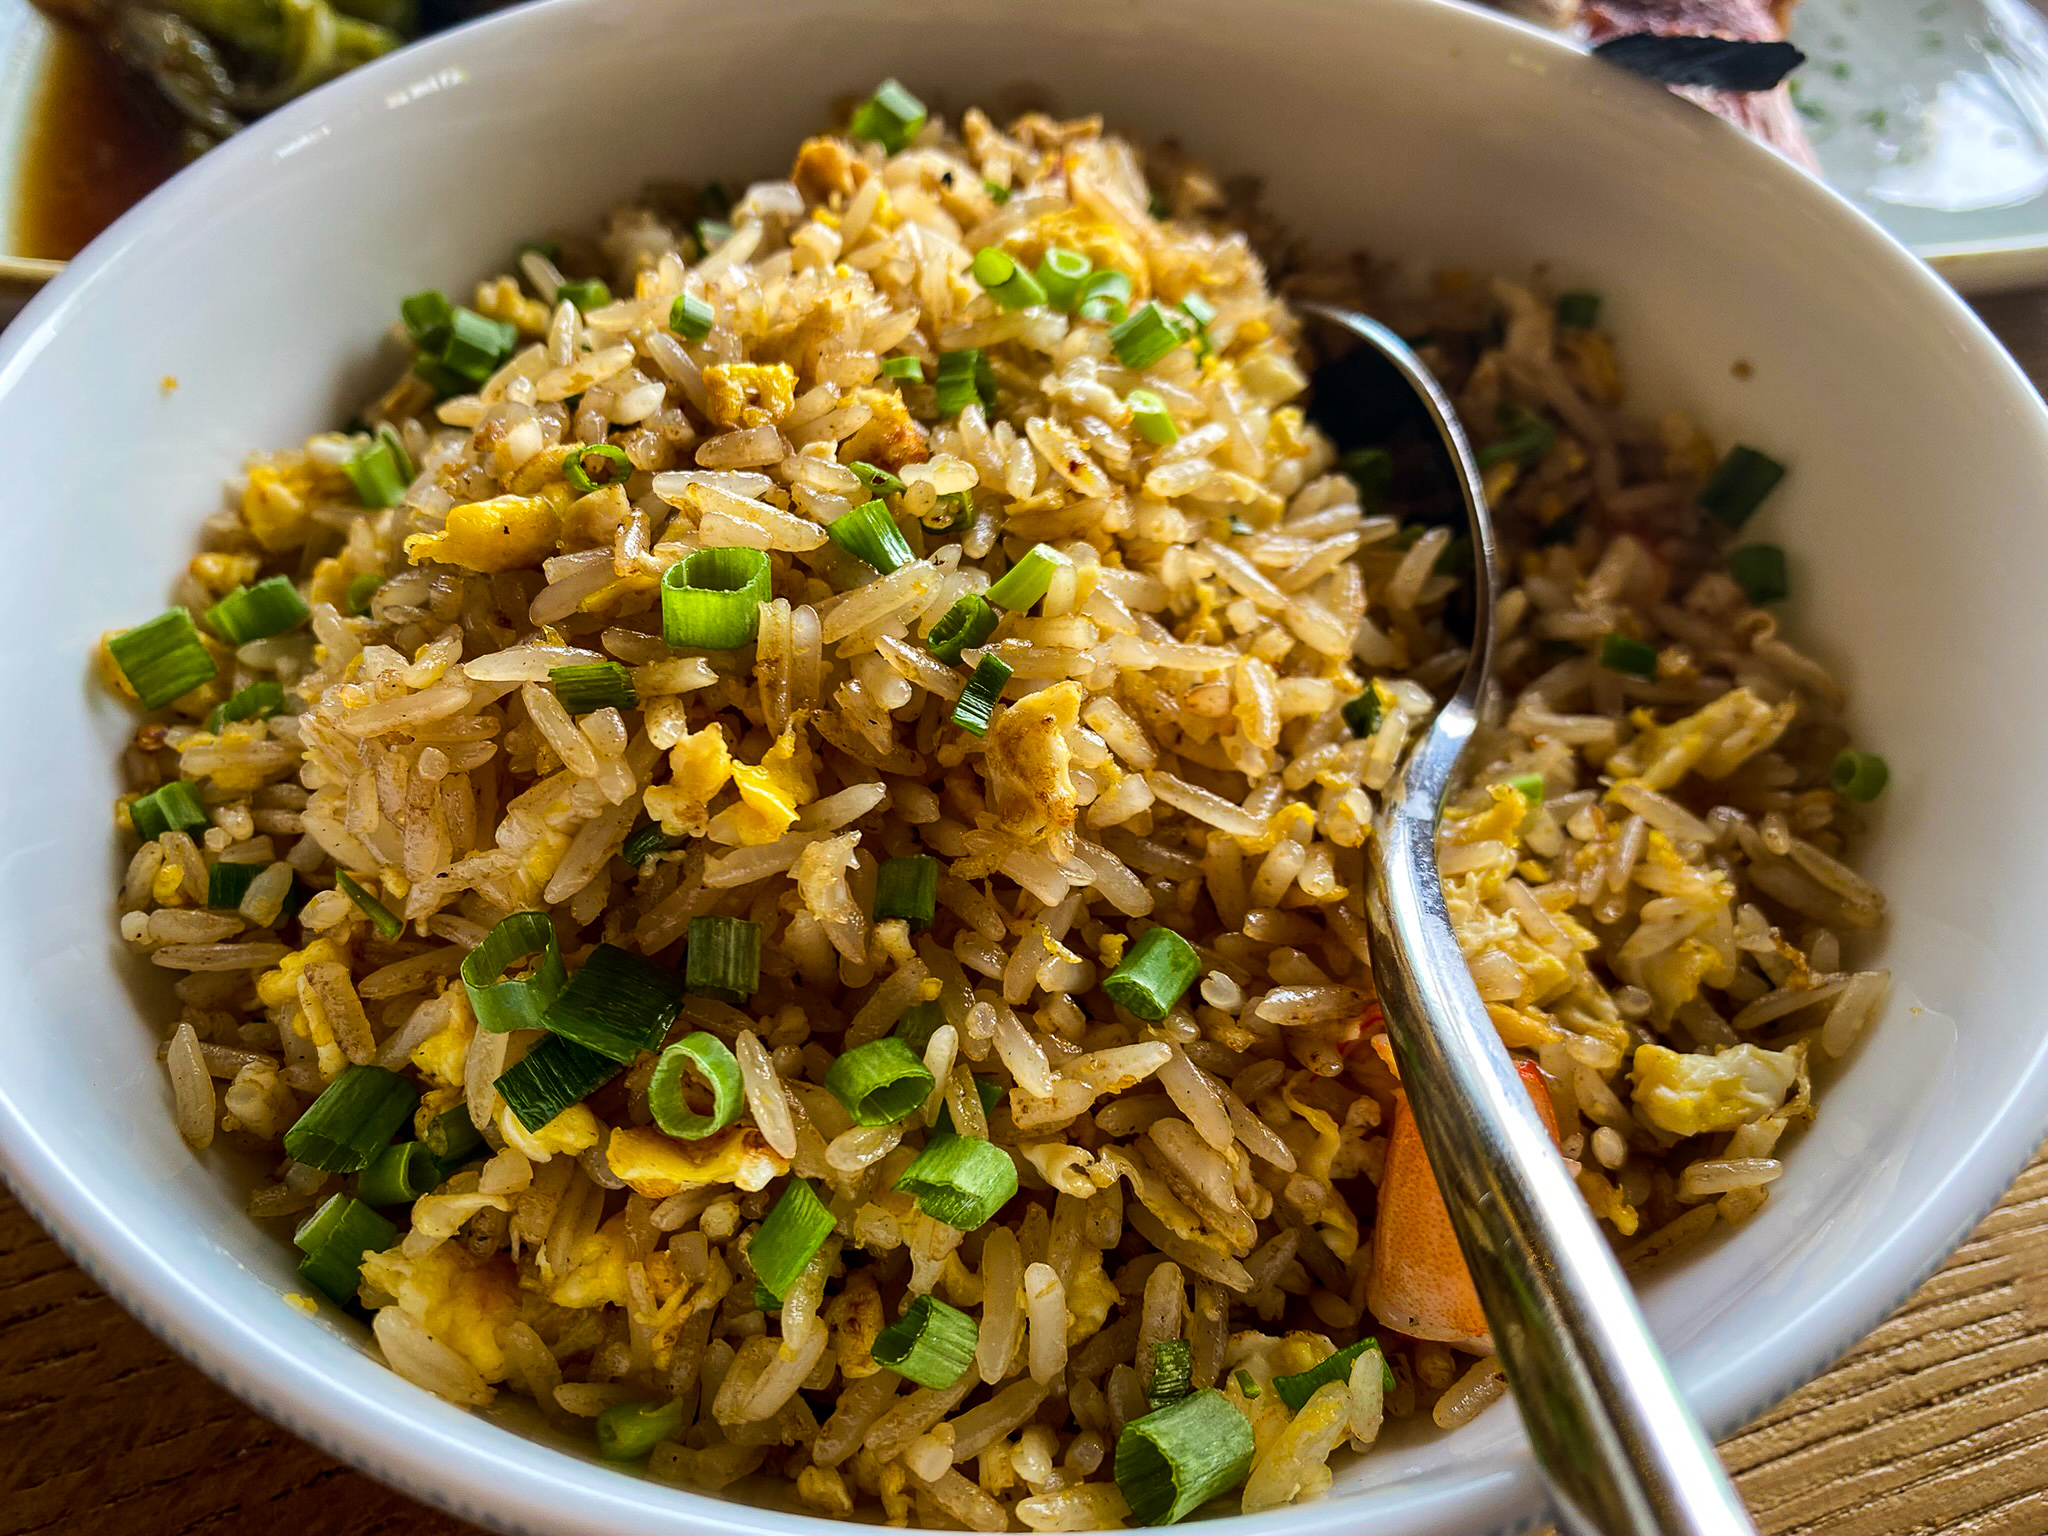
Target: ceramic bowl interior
<point>249,303</point>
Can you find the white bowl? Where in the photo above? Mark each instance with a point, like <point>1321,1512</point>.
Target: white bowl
<point>263,278</point>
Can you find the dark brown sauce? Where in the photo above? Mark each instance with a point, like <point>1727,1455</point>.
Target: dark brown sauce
<point>97,145</point>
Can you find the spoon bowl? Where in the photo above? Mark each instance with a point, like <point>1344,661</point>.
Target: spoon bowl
<point>1619,1449</point>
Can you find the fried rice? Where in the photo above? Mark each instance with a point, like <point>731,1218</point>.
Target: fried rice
<point>1646,867</point>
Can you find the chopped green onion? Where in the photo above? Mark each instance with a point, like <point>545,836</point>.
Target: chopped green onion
<point>552,249</point>
<point>1859,776</point>
<point>1372,471</point>
<point>690,317</point>
<point>952,512</point>
<point>1296,1390</point>
<point>476,346</point>
<point>1628,656</point>
<point>1024,583</point>
<point>908,888</point>
<point>931,1344</point>
<point>399,1176</point>
<point>388,436</point>
<point>1578,311</point>
<point>714,1064</point>
<point>794,1231</point>
<point>997,192</point>
<point>964,379</point>
<point>878,481</point>
<point>1145,338</point>
<point>724,959</point>
<point>630,1431</point>
<point>550,1078</point>
<point>163,659</point>
<point>373,471</point>
<point>646,842</point>
<point>617,1005</point>
<point>1159,207</point>
<point>968,623</point>
<point>1153,420</point>
<point>334,1239</point>
<point>1061,273</point>
<point>879,1083</point>
<point>909,369</point>
<point>586,293</point>
<point>892,117</point>
<point>960,1180</point>
<point>593,686</point>
<point>1529,438</point>
<point>976,710</point>
<point>1172,1373</point>
<point>1007,283</point>
<point>918,1024</point>
<point>1759,569</point>
<point>1201,312</point>
<point>1248,1384</point>
<point>711,234</point>
<point>1529,786</point>
<point>714,201</point>
<point>439,377</point>
<point>503,1005</point>
<point>258,701</point>
<point>361,591</point>
<point>1150,979</point>
<point>711,598</point>
<point>1739,485</point>
<point>256,613</point>
<point>427,317</point>
<point>1103,297</point>
<point>1363,714</point>
<point>174,807</point>
<point>227,884</point>
<point>1177,1458</point>
<point>381,917</point>
<point>869,534</point>
<point>354,1120</point>
<point>451,1136</point>
<point>599,465</point>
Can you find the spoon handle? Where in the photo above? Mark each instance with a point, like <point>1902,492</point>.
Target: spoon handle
<point>1621,1452</point>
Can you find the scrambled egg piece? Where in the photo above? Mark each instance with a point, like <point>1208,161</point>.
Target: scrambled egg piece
<point>574,1130</point>
<point>464,1304</point>
<point>280,988</point>
<point>1103,243</point>
<point>700,765</point>
<point>749,394</point>
<point>441,1055</point>
<point>1697,1095</point>
<point>499,298</point>
<point>277,504</point>
<point>1090,1295</point>
<point>1714,741</point>
<point>825,168</point>
<point>596,1273</point>
<point>891,437</point>
<point>656,1166</point>
<point>221,573</point>
<point>506,533</point>
<point>1028,763</point>
<point>770,793</point>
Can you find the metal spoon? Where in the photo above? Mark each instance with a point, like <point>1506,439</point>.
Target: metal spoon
<point>1621,1452</point>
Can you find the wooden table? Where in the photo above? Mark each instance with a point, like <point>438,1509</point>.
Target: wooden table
<point>1939,1423</point>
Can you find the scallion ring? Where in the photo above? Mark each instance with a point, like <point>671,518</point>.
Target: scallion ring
<point>501,1004</point>
<point>713,1063</point>
<point>711,599</point>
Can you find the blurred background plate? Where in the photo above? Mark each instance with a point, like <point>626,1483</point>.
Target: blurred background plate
<point>1932,116</point>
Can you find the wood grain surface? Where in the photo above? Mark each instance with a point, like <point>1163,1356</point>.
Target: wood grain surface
<point>1938,1423</point>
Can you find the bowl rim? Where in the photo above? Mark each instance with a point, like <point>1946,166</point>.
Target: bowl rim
<point>508,1482</point>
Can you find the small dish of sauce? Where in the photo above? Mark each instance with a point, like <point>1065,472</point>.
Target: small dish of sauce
<point>97,143</point>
